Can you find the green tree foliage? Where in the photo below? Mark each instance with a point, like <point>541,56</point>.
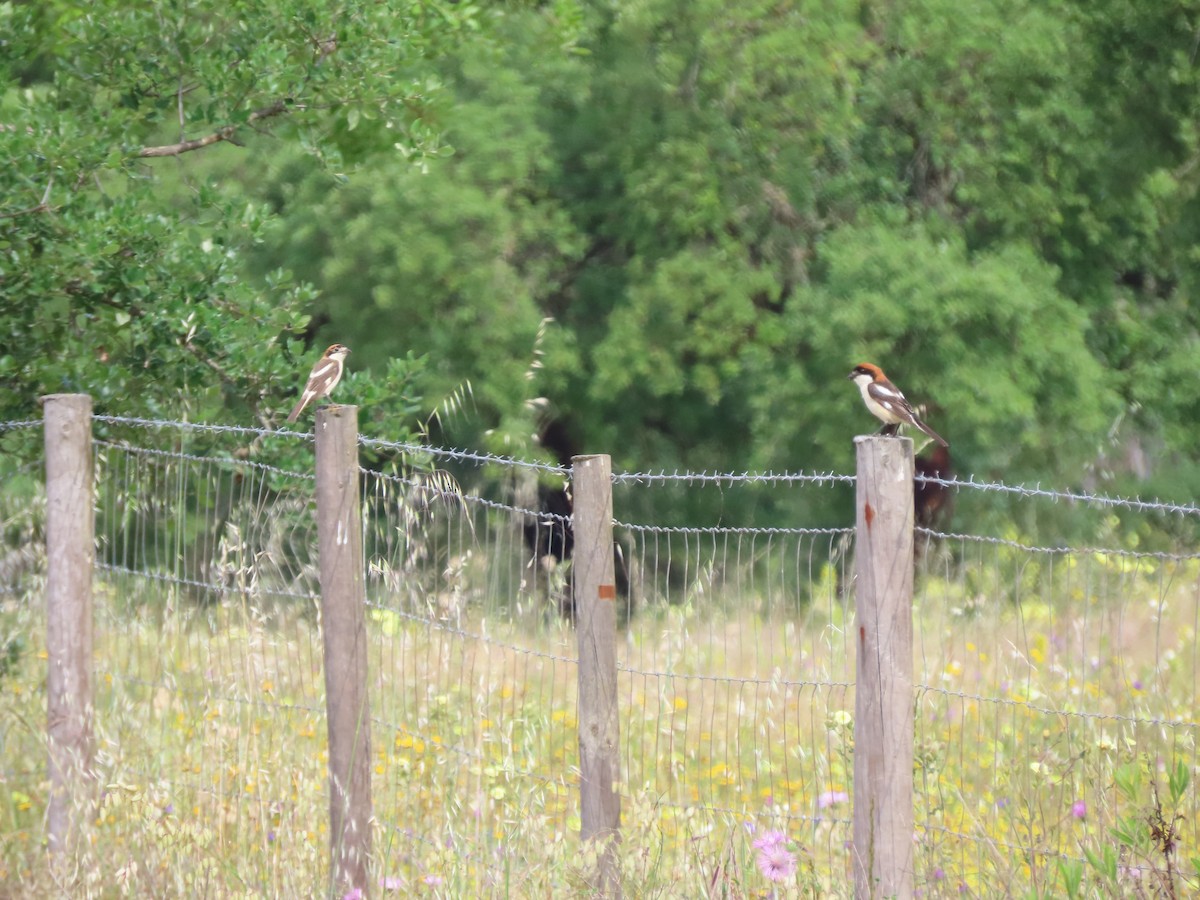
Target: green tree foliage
<point>987,341</point>
<point>672,226</point>
<point>457,261</point>
<point>123,227</point>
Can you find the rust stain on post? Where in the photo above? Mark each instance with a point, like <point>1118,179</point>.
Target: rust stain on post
<point>868,514</point>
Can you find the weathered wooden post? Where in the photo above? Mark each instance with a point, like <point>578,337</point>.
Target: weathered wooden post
<point>343,621</point>
<point>70,555</point>
<point>883,697</point>
<point>596,630</point>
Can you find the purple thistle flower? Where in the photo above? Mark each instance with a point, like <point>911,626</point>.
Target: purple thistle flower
<point>769,840</point>
<point>777,862</point>
<point>832,798</point>
<point>1079,809</point>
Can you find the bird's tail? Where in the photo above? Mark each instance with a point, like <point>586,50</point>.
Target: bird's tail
<point>933,434</point>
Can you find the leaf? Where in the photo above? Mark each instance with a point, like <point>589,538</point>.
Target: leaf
<point>1071,872</point>
<point>1177,782</point>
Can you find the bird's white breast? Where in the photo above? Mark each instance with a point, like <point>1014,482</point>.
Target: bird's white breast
<point>878,410</point>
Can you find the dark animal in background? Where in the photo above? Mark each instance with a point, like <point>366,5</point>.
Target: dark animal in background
<point>550,537</point>
<point>932,502</point>
<point>549,533</point>
<point>551,541</point>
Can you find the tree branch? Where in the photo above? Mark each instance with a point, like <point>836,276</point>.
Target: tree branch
<point>42,207</point>
<point>186,146</point>
<point>28,211</point>
<point>222,134</point>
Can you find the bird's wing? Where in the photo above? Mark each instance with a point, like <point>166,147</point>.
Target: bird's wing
<point>321,373</point>
<point>892,400</point>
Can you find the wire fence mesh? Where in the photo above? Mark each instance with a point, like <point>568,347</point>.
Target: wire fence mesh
<point>1055,701</point>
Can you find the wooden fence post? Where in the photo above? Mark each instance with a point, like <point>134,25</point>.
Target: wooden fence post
<point>343,621</point>
<point>70,556</point>
<point>596,629</point>
<point>883,696</point>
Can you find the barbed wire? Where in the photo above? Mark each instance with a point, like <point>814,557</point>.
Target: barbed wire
<point>729,529</point>
<point>1037,490</point>
<point>541,515</point>
<point>254,431</point>
<point>427,487</point>
<point>21,423</point>
<point>662,476</point>
<point>731,478</point>
<point>1062,551</point>
<point>465,455</point>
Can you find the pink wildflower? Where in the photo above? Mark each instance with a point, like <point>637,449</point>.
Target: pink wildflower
<point>832,798</point>
<point>776,862</point>
<point>769,840</point>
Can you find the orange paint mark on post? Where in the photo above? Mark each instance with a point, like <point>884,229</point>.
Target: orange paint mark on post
<point>868,514</point>
<point>607,592</point>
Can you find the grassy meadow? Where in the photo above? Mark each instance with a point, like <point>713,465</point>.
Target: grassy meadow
<point>1055,720</point>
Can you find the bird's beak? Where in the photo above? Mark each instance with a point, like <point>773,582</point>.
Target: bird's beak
<point>850,377</point>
